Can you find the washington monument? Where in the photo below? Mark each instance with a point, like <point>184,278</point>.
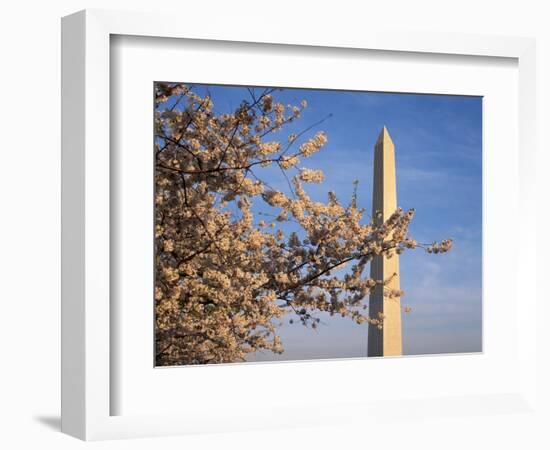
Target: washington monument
<point>386,341</point>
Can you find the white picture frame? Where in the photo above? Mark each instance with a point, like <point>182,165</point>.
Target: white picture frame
<point>87,386</point>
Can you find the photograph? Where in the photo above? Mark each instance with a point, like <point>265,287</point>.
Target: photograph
<point>296,224</point>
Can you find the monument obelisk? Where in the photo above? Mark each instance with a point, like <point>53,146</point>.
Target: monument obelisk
<point>387,340</point>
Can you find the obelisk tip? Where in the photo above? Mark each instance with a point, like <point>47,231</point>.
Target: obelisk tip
<point>384,136</point>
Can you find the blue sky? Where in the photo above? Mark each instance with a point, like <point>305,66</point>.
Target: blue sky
<point>438,148</point>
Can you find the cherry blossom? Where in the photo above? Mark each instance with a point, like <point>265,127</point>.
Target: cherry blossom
<point>224,278</point>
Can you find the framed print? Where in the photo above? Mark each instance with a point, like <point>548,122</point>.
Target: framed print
<point>241,209</point>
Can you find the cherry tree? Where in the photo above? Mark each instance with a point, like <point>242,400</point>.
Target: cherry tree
<point>225,276</point>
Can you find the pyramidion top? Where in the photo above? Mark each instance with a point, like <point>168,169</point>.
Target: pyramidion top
<point>384,138</point>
